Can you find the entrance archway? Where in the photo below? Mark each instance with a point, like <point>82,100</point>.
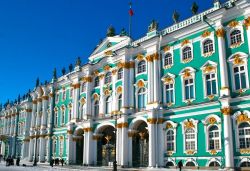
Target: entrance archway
<point>78,136</point>
<point>106,145</point>
<point>140,145</point>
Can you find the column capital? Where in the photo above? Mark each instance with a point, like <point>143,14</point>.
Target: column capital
<point>226,110</point>
<point>220,32</point>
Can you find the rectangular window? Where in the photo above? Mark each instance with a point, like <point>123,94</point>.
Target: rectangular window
<point>189,88</point>
<point>239,77</point>
<point>170,93</point>
<point>211,84</point>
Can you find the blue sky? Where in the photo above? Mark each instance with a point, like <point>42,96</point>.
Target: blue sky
<point>39,35</point>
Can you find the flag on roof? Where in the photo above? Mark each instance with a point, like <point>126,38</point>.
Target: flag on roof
<point>131,12</point>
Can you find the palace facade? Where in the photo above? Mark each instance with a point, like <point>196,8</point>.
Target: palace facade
<point>181,93</point>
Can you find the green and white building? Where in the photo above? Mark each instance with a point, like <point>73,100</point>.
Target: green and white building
<point>181,93</point>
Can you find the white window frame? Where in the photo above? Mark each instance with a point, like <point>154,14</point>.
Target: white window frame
<point>110,79</point>
<point>137,99</point>
<point>195,122</point>
<point>96,81</point>
<point>57,97</point>
<point>83,87</point>
<point>61,147</point>
<point>230,30</point>
<point>203,40</point>
<point>63,117</point>
<point>172,76</point>
<point>192,75</point>
<point>243,57</point>
<point>56,119</point>
<point>71,92</point>
<point>207,125</point>
<point>174,126</point>
<point>120,73</point>
<point>118,99</point>
<point>181,52</point>
<point>137,64</point>
<point>105,104</point>
<point>94,105</point>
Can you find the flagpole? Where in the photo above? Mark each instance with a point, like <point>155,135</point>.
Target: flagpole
<point>131,13</point>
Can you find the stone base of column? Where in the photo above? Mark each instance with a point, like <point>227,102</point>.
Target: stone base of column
<point>225,91</point>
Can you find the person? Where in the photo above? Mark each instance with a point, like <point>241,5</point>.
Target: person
<point>180,164</point>
<point>62,161</point>
<point>51,162</point>
<point>114,166</point>
<point>18,161</point>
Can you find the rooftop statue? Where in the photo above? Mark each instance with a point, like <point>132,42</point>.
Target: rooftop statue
<point>111,31</point>
<point>153,26</point>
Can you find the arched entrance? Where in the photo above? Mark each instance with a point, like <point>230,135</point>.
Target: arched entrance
<point>79,139</point>
<point>140,145</point>
<point>106,145</point>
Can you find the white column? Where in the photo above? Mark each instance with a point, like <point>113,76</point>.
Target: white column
<point>101,102</point>
<point>156,78</point>
<point>95,139</point>
<point>45,114</point>
<point>70,145</point>
<point>124,148</point>
<point>42,149</point>
<point>31,149</point>
<point>74,150</point>
<point>76,100</point>
<point>223,63</point>
<point>131,84</point>
<point>150,89</point>
<point>228,138</point>
<point>114,102</point>
<point>88,97</point>
<point>118,144</point>
<point>160,144</point>
<point>248,35</point>
<point>39,107</point>
<point>90,156</point>
<point>130,162</point>
<point>151,147</point>
<point>85,148</point>
<point>125,92</point>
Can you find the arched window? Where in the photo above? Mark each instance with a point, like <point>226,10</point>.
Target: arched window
<point>239,77</point>
<point>214,138</point>
<point>119,102</point>
<point>170,93</point>
<point>235,37</point>
<point>190,164</point>
<point>108,105</point>
<point>70,113</point>
<point>211,84</point>
<point>170,140</point>
<point>141,67</point>
<point>83,110</point>
<point>169,164</point>
<point>108,78</point>
<point>168,60</point>
<point>214,164</point>
<point>61,147</point>
<point>244,135</point>
<point>120,74</point>
<point>141,99</point>
<point>186,53</point>
<point>190,139</point>
<point>189,88</point>
<point>208,46</point>
<point>96,108</point>
<point>56,119</point>
<point>54,147</point>
<point>84,87</point>
<point>64,95</point>
<point>97,82</point>
<point>63,117</point>
<point>245,164</point>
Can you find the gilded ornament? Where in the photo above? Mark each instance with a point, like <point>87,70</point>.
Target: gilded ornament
<point>96,72</point>
<point>166,48</point>
<point>149,58</point>
<point>209,69</point>
<point>169,125</point>
<point>190,152</point>
<point>212,120</point>
<point>242,118</point>
<point>226,111</point>
<point>106,92</point>
<point>168,80</point>
<point>119,125</point>
<point>108,53</point>
<point>161,120</point>
<point>108,138</point>
<point>119,90</point>
<point>142,135</point>
<point>184,42</point>
<point>233,24</point>
<point>237,60</point>
<point>106,67</point>
<point>77,85</point>
<point>87,79</point>
<point>213,152</point>
<point>140,84</point>
<point>186,73</point>
<point>95,96</point>
<point>220,32</point>
<point>131,64</point>
<point>247,22</point>
<point>188,124</point>
<point>245,151</point>
<point>152,120</point>
<point>206,34</point>
<point>101,76</point>
<point>114,71</point>
<point>155,56</point>
<point>83,100</point>
<point>70,132</point>
<point>169,153</point>
<point>210,97</point>
<point>139,57</point>
<point>126,65</point>
<point>169,104</point>
<point>88,129</point>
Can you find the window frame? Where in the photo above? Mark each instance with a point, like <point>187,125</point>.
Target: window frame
<point>108,78</point>
<point>189,45</point>
<point>120,74</point>
<point>143,70</point>
<point>137,99</point>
